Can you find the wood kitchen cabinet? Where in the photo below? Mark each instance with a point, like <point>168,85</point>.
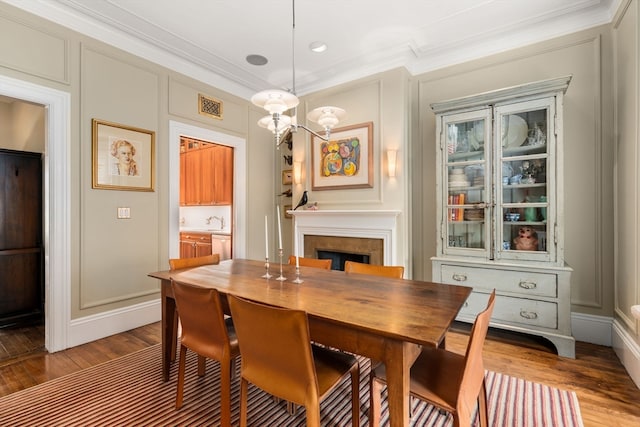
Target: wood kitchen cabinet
<point>206,173</point>
<point>195,245</point>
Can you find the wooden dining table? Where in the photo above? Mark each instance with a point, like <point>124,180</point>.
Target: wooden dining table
<point>385,319</point>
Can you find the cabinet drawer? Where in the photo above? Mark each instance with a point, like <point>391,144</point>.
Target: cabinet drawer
<point>196,237</point>
<point>517,282</point>
<point>522,311</point>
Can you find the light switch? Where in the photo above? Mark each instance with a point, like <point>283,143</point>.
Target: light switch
<point>124,213</point>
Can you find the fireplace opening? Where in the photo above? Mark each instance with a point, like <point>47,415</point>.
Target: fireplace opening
<point>338,258</point>
<point>344,248</point>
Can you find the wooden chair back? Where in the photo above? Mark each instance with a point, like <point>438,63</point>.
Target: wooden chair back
<point>178,263</point>
<point>447,380</point>
<point>395,271</point>
<point>277,356</point>
<point>206,332</point>
<point>472,381</point>
<point>311,262</point>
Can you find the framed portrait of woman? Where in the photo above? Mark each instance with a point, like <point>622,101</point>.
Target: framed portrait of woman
<point>122,157</point>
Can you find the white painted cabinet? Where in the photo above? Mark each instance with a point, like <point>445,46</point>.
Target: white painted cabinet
<point>500,207</point>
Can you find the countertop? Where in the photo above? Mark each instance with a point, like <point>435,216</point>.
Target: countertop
<point>223,232</point>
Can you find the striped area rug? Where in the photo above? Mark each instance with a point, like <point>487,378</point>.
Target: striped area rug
<point>129,391</point>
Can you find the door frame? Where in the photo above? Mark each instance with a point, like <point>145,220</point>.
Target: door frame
<point>239,207</point>
<point>56,203</point>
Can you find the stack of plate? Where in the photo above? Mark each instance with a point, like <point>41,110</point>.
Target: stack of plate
<point>458,179</point>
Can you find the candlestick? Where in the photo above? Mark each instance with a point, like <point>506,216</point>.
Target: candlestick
<point>266,275</point>
<point>281,277</point>
<point>279,230</point>
<point>298,279</point>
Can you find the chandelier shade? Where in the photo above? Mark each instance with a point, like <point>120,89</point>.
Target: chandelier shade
<point>275,101</point>
<point>327,117</point>
<point>276,126</point>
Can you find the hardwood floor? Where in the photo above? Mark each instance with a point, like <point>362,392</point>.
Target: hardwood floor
<point>606,393</point>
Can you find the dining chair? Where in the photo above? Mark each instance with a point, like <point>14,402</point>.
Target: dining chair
<point>278,357</point>
<point>447,380</point>
<point>206,332</point>
<point>311,262</point>
<point>396,271</point>
<point>177,264</point>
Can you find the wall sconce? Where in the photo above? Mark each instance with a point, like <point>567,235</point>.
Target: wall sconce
<point>391,163</point>
<point>297,172</point>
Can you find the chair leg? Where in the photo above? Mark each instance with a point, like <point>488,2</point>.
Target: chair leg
<point>225,393</point>
<point>355,396</point>
<point>183,356</point>
<point>313,415</point>
<point>174,337</point>
<point>243,402</point>
<point>482,406</point>
<point>375,401</point>
<point>291,408</point>
<point>202,366</point>
<point>233,369</point>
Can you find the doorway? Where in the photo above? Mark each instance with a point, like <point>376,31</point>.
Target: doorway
<point>56,223</point>
<point>238,214</point>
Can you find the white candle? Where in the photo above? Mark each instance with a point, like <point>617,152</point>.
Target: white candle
<point>295,244</point>
<point>279,230</point>
<point>266,238</point>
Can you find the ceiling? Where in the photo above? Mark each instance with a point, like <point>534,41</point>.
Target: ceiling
<point>210,39</point>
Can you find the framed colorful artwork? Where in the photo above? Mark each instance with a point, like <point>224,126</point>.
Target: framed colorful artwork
<point>123,157</point>
<point>345,161</point>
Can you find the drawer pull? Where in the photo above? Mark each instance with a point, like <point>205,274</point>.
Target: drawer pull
<point>459,277</point>
<point>526,284</point>
<point>529,315</point>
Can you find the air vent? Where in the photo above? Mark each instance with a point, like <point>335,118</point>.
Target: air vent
<point>209,106</point>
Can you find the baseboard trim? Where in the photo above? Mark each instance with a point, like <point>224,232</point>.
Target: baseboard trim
<point>591,329</point>
<point>91,328</point>
<point>627,350</point>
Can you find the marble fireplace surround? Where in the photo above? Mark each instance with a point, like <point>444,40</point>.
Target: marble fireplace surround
<point>352,231</point>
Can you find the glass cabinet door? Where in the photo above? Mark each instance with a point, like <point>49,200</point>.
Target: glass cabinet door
<point>524,136</point>
<point>466,189</point>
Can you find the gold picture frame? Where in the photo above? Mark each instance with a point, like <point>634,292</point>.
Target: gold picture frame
<point>122,157</point>
<point>345,161</point>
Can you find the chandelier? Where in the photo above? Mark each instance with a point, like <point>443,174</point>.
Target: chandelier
<point>276,102</point>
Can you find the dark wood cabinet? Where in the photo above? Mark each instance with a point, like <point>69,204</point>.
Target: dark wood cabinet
<point>21,247</point>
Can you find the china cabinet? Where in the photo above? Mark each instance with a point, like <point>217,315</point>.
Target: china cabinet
<point>500,207</point>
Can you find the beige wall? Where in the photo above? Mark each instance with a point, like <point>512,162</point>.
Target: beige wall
<point>588,156</point>
<point>627,118</point>
<point>22,126</point>
<point>111,258</point>
<point>381,99</point>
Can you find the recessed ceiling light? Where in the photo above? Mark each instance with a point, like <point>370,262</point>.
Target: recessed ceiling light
<point>318,46</point>
<point>256,59</point>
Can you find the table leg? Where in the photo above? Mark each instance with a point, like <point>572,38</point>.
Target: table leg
<point>399,356</point>
<point>168,321</point>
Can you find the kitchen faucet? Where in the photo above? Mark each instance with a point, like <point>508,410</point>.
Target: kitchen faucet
<point>219,218</point>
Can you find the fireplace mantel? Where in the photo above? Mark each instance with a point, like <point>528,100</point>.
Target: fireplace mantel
<point>373,224</point>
